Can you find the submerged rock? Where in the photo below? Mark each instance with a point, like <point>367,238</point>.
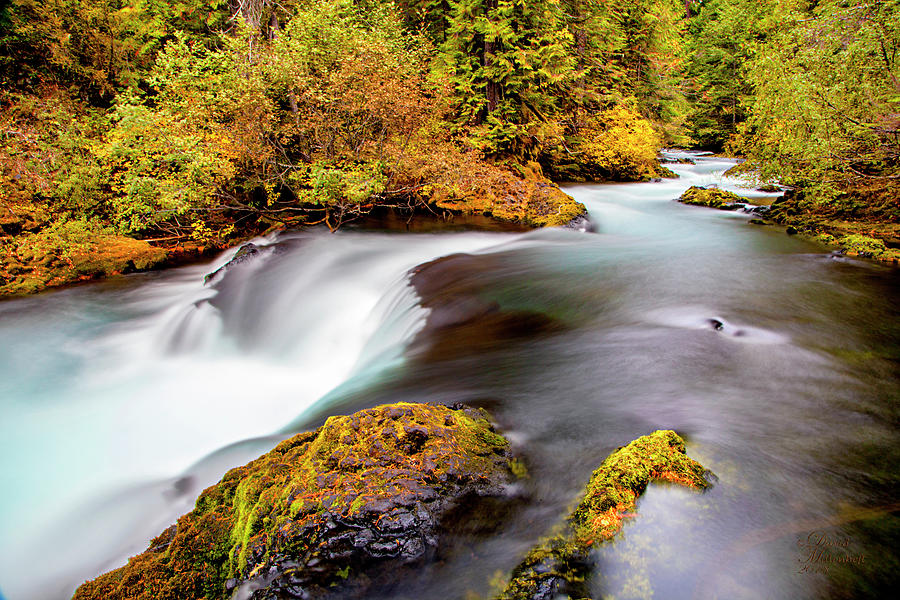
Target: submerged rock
<point>465,315</point>
<point>244,253</point>
<point>560,565</point>
<point>332,513</point>
<point>760,210</point>
<point>582,223</point>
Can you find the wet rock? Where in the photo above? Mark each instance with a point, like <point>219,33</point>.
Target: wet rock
<point>295,524</point>
<point>582,223</point>
<point>761,210</point>
<point>677,161</point>
<point>463,317</point>
<point>757,222</point>
<point>244,254</point>
<point>712,197</point>
<point>560,565</point>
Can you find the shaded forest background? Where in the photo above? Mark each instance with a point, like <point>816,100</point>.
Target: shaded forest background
<point>134,127</point>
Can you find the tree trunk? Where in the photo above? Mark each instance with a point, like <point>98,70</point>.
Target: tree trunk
<point>492,87</point>
<point>274,28</point>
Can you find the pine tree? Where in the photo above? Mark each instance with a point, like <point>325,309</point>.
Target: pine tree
<point>507,61</point>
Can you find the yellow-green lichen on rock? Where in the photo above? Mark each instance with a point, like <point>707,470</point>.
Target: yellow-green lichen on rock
<point>526,197</point>
<point>359,499</point>
<point>69,253</point>
<point>560,564</point>
<point>711,197</point>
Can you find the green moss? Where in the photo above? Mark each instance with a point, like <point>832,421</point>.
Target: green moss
<point>862,245</point>
<point>666,172</point>
<point>712,197</point>
<point>279,502</point>
<point>861,221</point>
<point>67,253</point>
<point>518,468</point>
<point>614,487</point>
<point>496,192</point>
<point>556,560</point>
<point>561,560</point>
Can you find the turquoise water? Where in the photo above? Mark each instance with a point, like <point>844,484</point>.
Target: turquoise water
<point>777,362</point>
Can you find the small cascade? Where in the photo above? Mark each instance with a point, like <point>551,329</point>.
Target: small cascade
<point>185,365</point>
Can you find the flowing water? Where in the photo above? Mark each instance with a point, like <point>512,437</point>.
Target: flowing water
<point>775,360</point>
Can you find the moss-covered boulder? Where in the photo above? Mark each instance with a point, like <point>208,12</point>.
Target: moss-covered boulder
<point>514,193</point>
<point>712,197</point>
<point>561,563</point>
<point>336,512</point>
<point>67,254</point>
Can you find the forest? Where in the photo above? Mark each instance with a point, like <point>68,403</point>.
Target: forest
<point>468,299</point>
<point>136,132</point>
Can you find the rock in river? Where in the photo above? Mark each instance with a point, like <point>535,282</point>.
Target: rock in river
<point>333,513</point>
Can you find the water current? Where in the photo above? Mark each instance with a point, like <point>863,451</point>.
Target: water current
<point>776,360</point>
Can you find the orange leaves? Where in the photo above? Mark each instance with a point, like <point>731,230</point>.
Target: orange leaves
<point>673,477</point>
<point>614,487</point>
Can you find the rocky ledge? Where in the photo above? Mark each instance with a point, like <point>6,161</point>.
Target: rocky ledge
<point>336,512</point>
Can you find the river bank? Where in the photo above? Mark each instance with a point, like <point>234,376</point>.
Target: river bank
<point>868,234</point>
<point>40,252</point>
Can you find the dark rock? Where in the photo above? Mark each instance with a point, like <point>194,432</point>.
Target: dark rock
<point>582,223</point>
<point>296,524</point>
<point>791,231</point>
<point>757,222</point>
<point>758,210</point>
<point>463,317</point>
<point>677,161</point>
<point>244,253</point>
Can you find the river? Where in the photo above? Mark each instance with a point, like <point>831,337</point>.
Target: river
<point>777,362</point>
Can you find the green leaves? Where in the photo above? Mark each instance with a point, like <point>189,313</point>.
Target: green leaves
<point>507,61</point>
<point>825,97</point>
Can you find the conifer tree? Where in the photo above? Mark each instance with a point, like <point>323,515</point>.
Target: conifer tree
<point>506,61</point>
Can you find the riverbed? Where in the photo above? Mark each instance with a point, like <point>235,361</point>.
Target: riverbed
<point>776,360</point>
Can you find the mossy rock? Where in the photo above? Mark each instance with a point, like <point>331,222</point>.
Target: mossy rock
<point>560,565</point>
<point>665,172</point>
<point>862,245</point>
<point>711,197</point>
<point>34,262</point>
<point>496,192</point>
<point>326,514</point>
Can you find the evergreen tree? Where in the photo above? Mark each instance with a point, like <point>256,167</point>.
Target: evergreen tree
<point>507,60</point>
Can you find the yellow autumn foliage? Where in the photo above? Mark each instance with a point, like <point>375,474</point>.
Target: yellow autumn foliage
<point>619,144</point>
